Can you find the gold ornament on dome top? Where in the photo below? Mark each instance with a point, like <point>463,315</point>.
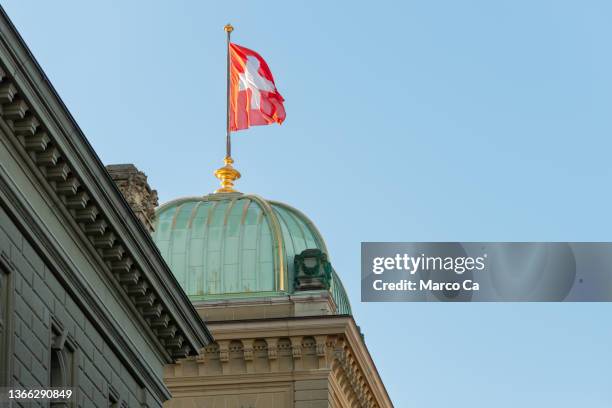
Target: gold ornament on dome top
<point>227,175</point>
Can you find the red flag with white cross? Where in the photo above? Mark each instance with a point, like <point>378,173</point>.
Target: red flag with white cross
<point>253,97</point>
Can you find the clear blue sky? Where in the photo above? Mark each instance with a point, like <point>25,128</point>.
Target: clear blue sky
<point>406,121</point>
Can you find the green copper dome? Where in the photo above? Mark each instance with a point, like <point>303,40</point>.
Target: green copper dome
<point>237,245</point>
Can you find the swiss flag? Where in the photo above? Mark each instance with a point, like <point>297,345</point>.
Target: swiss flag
<point>254,99</point>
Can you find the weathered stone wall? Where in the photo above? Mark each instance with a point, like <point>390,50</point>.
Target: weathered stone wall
<point>312,394</point>
<point>34,304</point>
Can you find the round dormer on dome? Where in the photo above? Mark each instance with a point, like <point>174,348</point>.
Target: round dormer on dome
<point>235,245</point>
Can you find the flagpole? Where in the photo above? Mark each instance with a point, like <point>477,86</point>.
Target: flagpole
<point>228,139</point>
<point>227,174</point>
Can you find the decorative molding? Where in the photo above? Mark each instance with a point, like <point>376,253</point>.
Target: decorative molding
<point>321,343</point>
<point>342,362</point>
<point>224,354</point>
<point>247,349</point>
<point>331,348</point>
<point>272,345</point>
<point>333,353</point>
<point>351,377</point>
<point>296,347</point>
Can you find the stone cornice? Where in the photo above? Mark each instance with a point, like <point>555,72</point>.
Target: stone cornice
<point>361,354</point>
<point>185,383</point>
<point>314,345</point>
<point>261,328</point>
<point>57,151</point>
<point>351,378</point>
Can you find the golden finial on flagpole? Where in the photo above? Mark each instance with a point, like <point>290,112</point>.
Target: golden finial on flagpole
<point>228,28</point>
<point>227,175</point>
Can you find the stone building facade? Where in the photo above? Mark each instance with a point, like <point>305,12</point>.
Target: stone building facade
<point>86,300</point>
<point>305,362</point>
<point>259,273</point>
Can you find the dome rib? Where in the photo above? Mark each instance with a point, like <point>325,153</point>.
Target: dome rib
<point>309,224</point>
<point>278,243</point>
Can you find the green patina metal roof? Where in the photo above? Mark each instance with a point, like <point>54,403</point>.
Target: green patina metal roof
<point>236,245</point>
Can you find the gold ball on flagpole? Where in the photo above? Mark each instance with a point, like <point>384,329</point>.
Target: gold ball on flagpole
<point>228,28</point>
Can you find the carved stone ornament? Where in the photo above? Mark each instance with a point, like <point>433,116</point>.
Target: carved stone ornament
<point>135,188</point>
<point>312,270</point>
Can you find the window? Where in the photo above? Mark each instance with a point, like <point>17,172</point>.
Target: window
<point>5,327</point>
<point>113,398</point>
<point>62,364</point>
